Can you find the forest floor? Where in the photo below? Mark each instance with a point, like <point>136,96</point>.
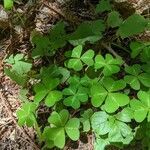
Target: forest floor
<point>15,29</point>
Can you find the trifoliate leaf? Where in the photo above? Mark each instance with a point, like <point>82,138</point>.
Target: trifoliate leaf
<point>72,128</point>
<point>117,131</point>
<point>114,19</point>
<point>76,62</point>
<point>107,91</point>
<point>75,96</point>
<point>104,5</point>
<point>136,48</point>
<point>109,65</point>
<point>136,78</point>
<point>120,132</point>
<point>88,31</point>
<point>141,107</point>
<point>45,89</point>
<point>133,25</point>
<point>26,115</point>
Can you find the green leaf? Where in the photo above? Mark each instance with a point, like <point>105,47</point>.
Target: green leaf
<point>57,135</point>
<point>88,31</point>
<point>133,25</point>
<point>72,128</point>
<point>112,85</point>
<point>52,98</point>
<point>100,144</point>
<point>87,57</point>
<point>8,4</point>
<point>59,119</point>
<point>136,77</point>
<point>45,89</point>
<point>76,52</point>
<point>21,80</point>
<point>114,19</point>
<point>140,48</point>
<point>75,96</point>
<point>104,5</point>
<point>110,65</point>
<point>120,132</point>
<point>141,107</point>
<point>75,64</point>
<point>100,124</point>
<point>114,101</point>
<point>107,91</point>
<point>86,119</point>
<point>49,44</point>
<point>19,68</point>
<point>98,94</point>
<point>125,115</point>
<point>26,115</point>
<point>136,48</point>
<point>144,79</point>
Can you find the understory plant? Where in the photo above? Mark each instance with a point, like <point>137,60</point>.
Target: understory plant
<point>87,86</point>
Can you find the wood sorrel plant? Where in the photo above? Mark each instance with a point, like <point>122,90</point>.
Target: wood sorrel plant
<point>85,91</point>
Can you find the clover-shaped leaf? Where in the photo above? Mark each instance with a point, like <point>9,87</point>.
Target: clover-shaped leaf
<point>141,49</point>
<point>141,107</point>
<point>26,115</point>
<point>76,62</point>
<point>107,91</point>
<point>136,77</point>
<point>120,132</point>
<point>75,96</point>
<point>109,65</point>
<point>61,124</point>
<point>116,130</point>
<point>45,89</point>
